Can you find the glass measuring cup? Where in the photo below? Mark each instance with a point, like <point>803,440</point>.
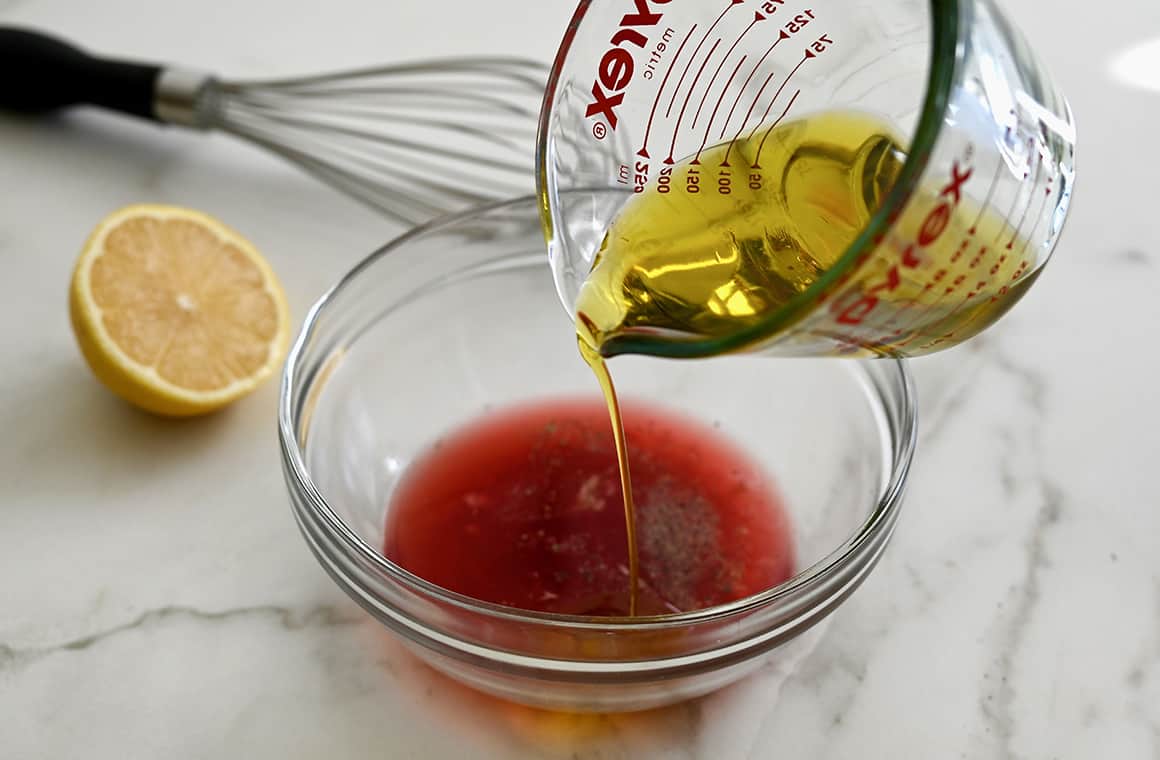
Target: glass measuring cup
<point>641,86</point>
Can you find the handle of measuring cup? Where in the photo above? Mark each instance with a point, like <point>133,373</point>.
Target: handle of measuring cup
<point>44,73</point>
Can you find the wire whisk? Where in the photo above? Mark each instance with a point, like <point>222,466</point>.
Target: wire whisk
<point>413,141</point>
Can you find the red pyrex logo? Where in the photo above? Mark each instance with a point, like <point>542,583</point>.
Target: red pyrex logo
<point>617,66</point>
<point>932,228</point>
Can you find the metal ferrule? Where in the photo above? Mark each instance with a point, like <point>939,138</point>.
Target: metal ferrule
<point>183,97</point>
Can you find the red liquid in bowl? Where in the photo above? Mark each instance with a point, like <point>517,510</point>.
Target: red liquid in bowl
<point>523,508</point>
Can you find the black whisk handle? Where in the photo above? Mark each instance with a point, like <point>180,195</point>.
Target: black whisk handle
<point>40,73</point>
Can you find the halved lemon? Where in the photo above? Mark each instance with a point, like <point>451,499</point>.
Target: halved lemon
<point>175,312</point>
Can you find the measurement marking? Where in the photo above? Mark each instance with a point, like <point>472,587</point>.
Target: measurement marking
<point>978,291</point>
<point>643,152</point>
<point>757,18</point>
<point>748,113</point>
<point>911,328</point>
<point>987,202</point>
<point>917,333</point>
<point>688,97</point>
<point>757,100</point>
<point>913,325</point>
<point>965,324</point>
<point>893,320</point>
<point>1018,193</point>
<point>721,99</point>
<point>1027,208</point>
<point>685,73</point>
<point>783,36</point>
<point>959,253</point>
<point>1007,217</point>
<point>809,54</point>
<point>1038,219</point>
<point>913,337</point>
<point>757,158</point>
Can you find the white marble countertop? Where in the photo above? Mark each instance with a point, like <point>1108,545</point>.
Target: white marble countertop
<point>156,600</point>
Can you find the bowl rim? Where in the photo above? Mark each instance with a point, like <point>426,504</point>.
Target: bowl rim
<point>298,478</point>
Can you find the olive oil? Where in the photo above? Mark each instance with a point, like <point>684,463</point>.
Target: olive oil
<point>722,242</point>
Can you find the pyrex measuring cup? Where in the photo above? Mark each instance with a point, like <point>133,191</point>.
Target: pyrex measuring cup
<point>972,217</point>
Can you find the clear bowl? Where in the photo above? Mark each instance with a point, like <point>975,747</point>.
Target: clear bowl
<point>461,316</point>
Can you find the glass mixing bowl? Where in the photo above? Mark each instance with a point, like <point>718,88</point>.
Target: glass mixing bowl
<point>461,316</point>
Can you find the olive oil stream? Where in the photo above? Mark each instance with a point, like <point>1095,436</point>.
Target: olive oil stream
<point>685,261</point>
<point>595,361</point>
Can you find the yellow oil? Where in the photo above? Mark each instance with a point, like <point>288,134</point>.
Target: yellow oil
<point>721,241</point>
<point>711,251</point>
<point>600,368</point>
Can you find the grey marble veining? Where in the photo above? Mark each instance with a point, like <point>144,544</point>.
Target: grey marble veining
<point>158,601</point>
<point>14,658</point>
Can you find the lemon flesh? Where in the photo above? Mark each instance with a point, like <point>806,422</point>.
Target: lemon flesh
<point>175,312</point>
